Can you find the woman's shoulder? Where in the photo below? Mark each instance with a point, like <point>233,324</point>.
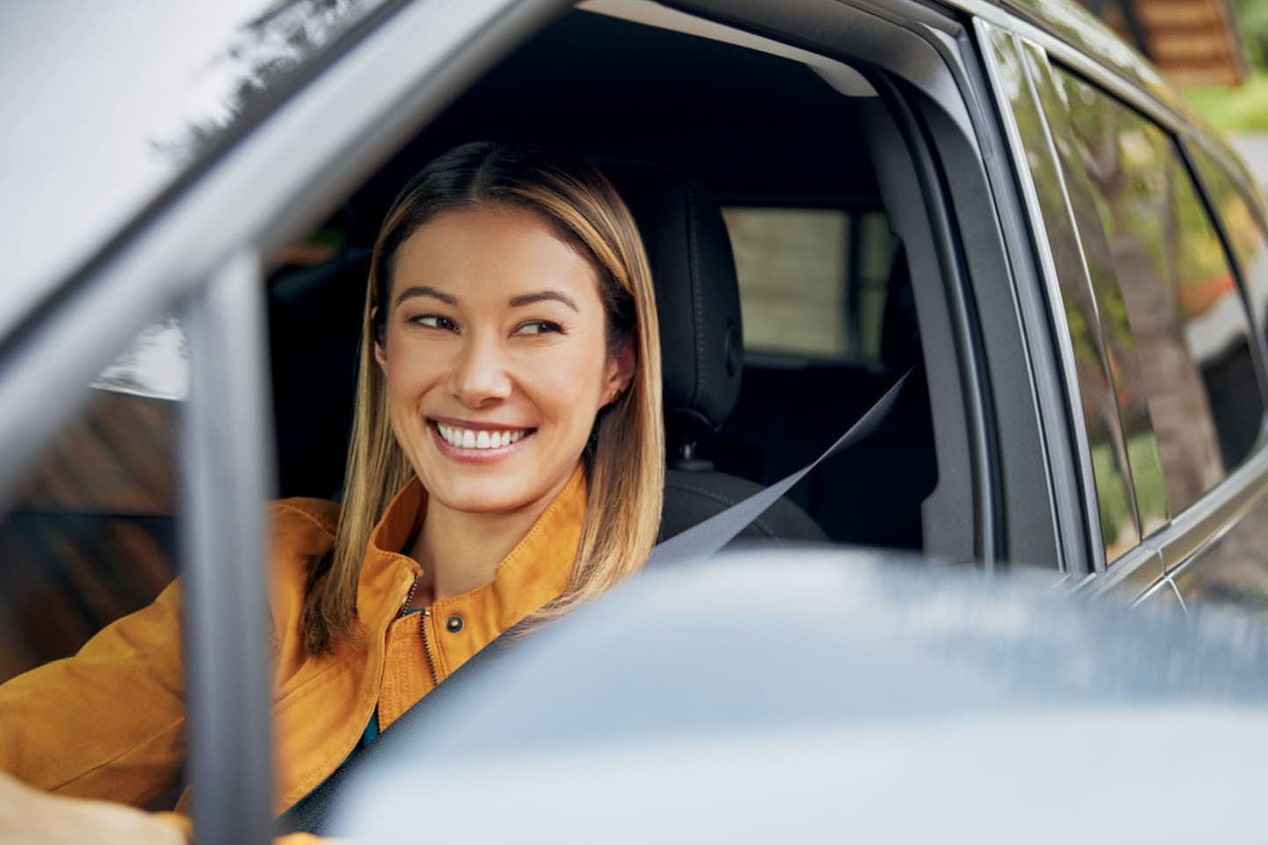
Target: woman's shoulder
<point>304,520</point>
<point>302,531</point>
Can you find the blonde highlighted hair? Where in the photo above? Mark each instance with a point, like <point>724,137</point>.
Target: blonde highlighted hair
<point>625,457</point>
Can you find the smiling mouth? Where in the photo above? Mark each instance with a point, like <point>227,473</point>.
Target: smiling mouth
<point>480,439</point>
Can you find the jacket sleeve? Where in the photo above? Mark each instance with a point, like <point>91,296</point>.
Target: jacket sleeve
<point>108,723</point>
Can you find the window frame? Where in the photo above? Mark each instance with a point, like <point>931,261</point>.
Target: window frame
<point>198,251</point>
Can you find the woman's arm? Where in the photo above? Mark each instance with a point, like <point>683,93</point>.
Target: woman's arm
<point>108,723</point>
<point>33,817</point>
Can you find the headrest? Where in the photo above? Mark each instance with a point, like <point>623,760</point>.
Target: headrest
<point>697,294</point>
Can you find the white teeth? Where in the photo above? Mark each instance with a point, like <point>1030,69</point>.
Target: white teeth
<point>465,438</point>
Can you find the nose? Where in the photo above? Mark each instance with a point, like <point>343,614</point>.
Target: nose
<point>480,375</point>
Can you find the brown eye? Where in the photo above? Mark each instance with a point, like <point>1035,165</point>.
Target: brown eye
<point>435,321</point>
<point>539,327</point>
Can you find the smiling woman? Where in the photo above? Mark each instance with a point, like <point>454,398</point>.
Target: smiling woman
<point>500,372</point>
<point>506,464</point>
<point>509,292</point>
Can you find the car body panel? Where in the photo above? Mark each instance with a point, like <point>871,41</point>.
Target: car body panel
<point>828,694</point>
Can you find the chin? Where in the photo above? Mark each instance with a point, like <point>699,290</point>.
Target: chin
<point>484,498</point>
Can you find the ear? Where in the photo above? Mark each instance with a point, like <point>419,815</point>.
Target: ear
<point>619,371</point>
<point>376,337</point>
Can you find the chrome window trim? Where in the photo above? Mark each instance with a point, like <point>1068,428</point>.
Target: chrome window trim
<point>1054,321</point>
<point>1085,463</point>
<point>1135,574</point>
<point>1213,515</point>
<point>1164,585</point>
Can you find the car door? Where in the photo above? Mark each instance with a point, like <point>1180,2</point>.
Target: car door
<point>109,489</point>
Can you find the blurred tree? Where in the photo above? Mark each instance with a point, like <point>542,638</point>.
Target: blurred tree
<point>1252,18</point>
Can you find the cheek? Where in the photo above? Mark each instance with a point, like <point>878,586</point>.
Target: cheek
<point>572,385</point>
<point>408,370</point>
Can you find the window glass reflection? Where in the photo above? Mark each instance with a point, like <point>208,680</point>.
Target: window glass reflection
<point>1140,443</point>
<point>1183,309</point>
<point>1242,228</point>
<point>141,91</point>
<point>1093,371</point>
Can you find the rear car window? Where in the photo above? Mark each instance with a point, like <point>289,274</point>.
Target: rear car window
<point>1184,311</point>
<point>1243,229</point>
<point>813,282</point>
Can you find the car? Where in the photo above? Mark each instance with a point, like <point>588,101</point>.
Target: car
<point>876,699</point>
<point>1000,200</point>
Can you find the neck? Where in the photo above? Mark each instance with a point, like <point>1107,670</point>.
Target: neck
<point>460,551</point>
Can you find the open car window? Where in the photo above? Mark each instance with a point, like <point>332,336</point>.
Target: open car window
<point>90,535</point>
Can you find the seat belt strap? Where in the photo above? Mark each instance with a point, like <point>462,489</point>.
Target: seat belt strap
<point>708,537</point>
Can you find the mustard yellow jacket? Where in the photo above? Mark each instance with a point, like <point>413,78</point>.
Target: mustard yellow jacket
<point>109,722</point>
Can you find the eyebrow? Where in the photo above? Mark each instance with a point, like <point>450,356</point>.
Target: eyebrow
<point>425,290</point>
<point>516,301</point>
<point>544,296</point>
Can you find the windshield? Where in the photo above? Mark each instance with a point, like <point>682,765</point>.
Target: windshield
<point>107,104</point>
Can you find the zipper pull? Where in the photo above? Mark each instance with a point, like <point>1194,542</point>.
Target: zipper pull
<point>409,597</point>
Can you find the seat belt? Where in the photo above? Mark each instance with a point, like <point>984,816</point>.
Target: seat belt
<point>708,537</point>
<point>314,812</point>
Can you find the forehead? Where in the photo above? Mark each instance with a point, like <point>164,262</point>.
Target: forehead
<point>471,252</point>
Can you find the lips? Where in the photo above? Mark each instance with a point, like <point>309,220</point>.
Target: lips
<point>467,438</point>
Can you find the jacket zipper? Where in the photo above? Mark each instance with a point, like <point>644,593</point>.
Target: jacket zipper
<point>378,682</point>
<point>422,629</point>
<point>431,659</point>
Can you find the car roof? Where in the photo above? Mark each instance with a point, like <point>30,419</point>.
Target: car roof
<point>118,105</point>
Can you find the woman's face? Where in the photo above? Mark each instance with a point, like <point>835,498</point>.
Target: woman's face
<point>496,359</point>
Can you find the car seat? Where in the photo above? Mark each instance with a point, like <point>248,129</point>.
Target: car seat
<point>788,413</point>
<point>702,347</point>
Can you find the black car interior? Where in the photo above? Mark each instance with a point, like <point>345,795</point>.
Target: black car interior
<point>668,116</point>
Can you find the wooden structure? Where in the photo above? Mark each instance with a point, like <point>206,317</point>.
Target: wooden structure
<point>1193,42</point>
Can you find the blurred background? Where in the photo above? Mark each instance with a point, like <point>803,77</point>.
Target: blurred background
<point>1216,51</point>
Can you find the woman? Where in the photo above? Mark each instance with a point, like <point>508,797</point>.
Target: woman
<point>506,465</point>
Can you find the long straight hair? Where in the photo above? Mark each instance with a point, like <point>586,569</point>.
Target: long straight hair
<point>624,458</point>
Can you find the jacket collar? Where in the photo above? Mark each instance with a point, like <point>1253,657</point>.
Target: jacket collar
<point>534,573</point>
